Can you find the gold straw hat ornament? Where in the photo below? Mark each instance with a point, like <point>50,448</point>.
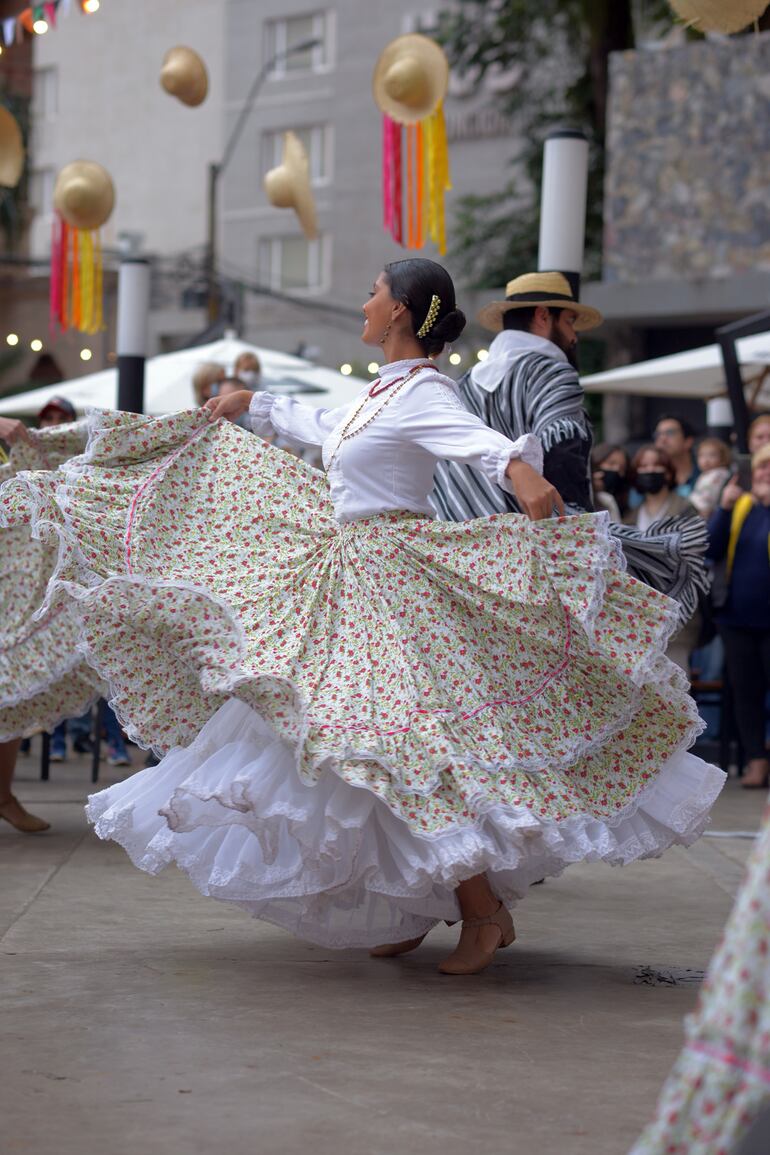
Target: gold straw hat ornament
<point>184,75</point>
<point>11,150</point>
<point>288,185</point>
<point>83,200</point>
<point>724,16</point>
<point>409,85</point>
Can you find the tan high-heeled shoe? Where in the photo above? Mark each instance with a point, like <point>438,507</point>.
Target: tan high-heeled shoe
<point>392,949</point>
<point>14,813</point>
<point>469,958</point>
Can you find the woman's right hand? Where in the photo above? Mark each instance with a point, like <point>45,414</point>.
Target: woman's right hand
<point>730,494</point>
<point>12,430</point>
<point>232,405</point>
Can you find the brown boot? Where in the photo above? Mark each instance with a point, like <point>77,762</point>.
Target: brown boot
<point>13,811</point>
<point>757,774</point>
<point>391,949</point>
<point>470,957</point>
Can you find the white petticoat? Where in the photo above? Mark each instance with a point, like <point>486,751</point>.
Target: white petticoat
<point>332,863</point>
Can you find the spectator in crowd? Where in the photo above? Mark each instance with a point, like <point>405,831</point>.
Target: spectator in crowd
<point>205,379</point>
<point>759,432</point>
<point>247,368</point>
<point>653,476</point>
<point>713,458</point>
<point>674,435</point>
<point>740,540</point>
<point>609,469</point>
<point>57,411</point>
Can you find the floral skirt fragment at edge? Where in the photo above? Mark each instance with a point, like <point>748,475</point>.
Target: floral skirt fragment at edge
<point>43,677</point>
<point>358,716</point>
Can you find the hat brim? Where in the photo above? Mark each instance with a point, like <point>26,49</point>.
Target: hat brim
<point>586,317</point>
<point>432,58</point>
<point>295,163</point>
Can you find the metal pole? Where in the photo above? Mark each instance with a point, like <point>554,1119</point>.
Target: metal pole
<point>563,204</point>
<point>726,336</point>
<point>211,244</point>
<point>133,317</point>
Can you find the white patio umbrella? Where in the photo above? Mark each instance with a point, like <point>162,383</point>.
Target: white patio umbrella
<point>168,382</point>
<point>697,373</point>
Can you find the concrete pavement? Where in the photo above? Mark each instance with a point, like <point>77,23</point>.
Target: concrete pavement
<point>139,1018</point>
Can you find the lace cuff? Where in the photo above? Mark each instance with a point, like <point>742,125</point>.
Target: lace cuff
<point>260,410</point>
<point>527,449</point>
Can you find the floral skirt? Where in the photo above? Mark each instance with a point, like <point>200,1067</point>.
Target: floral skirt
<point>43,677</point>
<point>359,716</point>
<point>720,1084</point>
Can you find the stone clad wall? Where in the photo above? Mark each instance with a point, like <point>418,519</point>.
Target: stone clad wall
<point>687,193</point>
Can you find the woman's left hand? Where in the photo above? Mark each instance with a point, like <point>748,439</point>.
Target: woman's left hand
<point>536,496</point>
<point>232,405</point>
<point>12,430</point>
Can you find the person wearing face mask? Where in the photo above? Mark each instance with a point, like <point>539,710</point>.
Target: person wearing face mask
<point>653,476</point>
<point>740,540</point>
<point>609,468</point>
<point>247,368</point>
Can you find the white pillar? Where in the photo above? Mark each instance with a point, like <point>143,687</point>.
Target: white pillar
<point>563,201</point>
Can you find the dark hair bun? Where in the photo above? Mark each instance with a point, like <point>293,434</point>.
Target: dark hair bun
<point>449,327</point>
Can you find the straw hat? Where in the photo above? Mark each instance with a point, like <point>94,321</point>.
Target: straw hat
<point>84,194</point>
<point>184,75</point>
<point>531,289</point>
<point>288,185</point>
<point>11,150</point>
<point>719,15</point>
<point>410,78</point>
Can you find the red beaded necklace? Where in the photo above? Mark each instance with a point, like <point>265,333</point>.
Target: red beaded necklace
<point>375,391</point>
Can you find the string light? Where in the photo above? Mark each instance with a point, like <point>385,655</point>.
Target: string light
<point>40,26</point>
<point>85,354</point>
<point>89,6</point>
<point>373,367</point>
<point>346,369</point>
<point>482,354</point>
<point>36,345</point>
<point>454,358</point>
<point>12,338</point>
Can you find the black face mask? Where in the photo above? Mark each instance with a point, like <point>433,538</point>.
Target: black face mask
<point>612,481</point>
<point>650,482</point>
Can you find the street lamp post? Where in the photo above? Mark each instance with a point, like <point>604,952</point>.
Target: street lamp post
<point>217,168</point>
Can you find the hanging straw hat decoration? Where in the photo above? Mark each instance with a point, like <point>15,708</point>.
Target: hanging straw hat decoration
<point>83,198</point>
<point>288,184</point>
<point>409,84</point>
<point>11,150</point>
<point>724,16</point>
<point>184,75</point>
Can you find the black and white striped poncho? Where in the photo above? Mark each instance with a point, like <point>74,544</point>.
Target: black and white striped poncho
<point>541,395</point>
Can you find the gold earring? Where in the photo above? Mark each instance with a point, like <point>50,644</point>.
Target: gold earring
<point>384,336</point>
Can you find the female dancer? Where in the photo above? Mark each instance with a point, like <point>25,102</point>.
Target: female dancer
<point>375,721</point>
<point>43,678</point>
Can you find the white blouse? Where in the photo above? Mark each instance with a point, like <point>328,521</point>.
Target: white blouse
<point>386,458</point>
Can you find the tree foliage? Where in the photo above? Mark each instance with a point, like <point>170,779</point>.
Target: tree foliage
<point>559,51</point>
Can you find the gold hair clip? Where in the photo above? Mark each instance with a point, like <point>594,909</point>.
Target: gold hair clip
<point>427,325</point>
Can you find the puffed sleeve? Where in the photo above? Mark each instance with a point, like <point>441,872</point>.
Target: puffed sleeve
<point>273,414</point>
<point>433,416</point>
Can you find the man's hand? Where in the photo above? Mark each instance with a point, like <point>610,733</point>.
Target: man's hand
<point>12,430</point>
<point>536,496</point>
<point>231,406</point>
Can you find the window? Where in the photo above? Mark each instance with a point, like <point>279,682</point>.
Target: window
<point>282,36</point>
<point>45,94</point>
<point>41,184</point>
<point>294,264</point>
<point>316,140</point>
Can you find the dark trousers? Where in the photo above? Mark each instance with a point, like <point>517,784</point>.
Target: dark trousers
<point>747,655</point>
